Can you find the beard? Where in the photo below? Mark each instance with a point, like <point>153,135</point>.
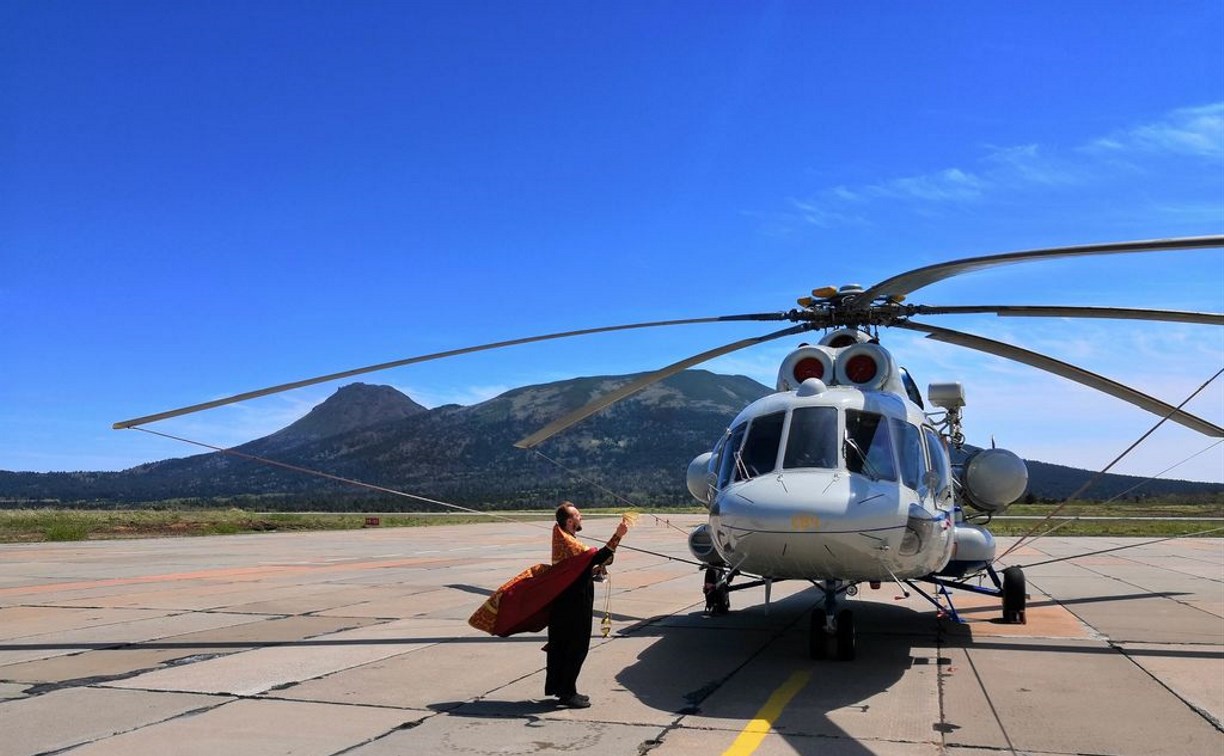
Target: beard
<point>578,528</point>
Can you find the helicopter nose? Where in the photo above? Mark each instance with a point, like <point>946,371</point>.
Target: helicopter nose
<point>808,501</point>
<point>808,524</point>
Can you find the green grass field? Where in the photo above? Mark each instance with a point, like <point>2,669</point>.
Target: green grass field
<point>34,525</point>
<point>30,525</point>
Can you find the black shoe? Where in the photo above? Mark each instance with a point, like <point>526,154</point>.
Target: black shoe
<point>576,701</point>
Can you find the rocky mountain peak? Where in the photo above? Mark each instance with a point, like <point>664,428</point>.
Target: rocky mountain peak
<point>352,408</point>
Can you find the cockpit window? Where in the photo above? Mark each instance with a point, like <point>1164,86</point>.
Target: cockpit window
<point>909,448</point>
<point>869,446</point>
<point>939,461</point>
<point>812,441</point>
<point>760,452</point>
<point>730,454</point>
<point>716,463</point>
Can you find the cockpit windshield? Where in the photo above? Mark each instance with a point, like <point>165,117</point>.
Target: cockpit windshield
<point>812,441</point>
<point>750,449</point>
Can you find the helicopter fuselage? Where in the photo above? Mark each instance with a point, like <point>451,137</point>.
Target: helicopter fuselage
<point>832,483</point>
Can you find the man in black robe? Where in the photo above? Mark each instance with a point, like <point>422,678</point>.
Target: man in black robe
<point>569,624</point>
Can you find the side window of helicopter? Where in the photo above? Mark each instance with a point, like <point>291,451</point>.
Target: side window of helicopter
<point>812,441</point>
<point>720,449</point>
<point>869,446</point>
<point>939,461</point>
<point>909,447</point>
<point>760,452</point>
<point>730,454</point>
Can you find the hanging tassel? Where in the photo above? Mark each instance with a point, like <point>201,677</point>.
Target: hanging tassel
<point>605,624</point>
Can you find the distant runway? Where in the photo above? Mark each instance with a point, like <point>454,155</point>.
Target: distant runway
<point>356,642</point>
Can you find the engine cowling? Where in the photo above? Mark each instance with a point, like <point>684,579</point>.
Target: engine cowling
<point>701,545</point>
<point>973,548</point>
<point>699,479</point>
<point>991,479</point>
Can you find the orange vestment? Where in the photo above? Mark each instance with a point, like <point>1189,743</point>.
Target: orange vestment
<point>521,605</point>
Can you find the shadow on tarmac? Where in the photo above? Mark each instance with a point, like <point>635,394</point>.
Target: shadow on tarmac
<point>727,667</point>
<point>1107,599</point>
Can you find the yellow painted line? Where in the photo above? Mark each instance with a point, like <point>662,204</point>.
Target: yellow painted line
<point>751,736</point>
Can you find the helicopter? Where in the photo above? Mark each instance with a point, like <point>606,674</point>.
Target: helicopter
<point>843,476</point>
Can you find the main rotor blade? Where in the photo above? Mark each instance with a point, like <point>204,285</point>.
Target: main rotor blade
<point>913,280</point>
<point>1043,311</point>
<point>425,358</point>
<point>1068,371</point>
<point>642,382</point>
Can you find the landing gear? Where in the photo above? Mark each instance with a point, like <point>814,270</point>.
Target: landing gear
<point>1008,586</point>
<point>717,593</point>
<point>1014,596</point>
<point>822,644</point>
<point>831,634</point>
<point>845,635</point>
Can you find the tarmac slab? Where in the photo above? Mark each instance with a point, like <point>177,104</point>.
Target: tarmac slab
<point>1092,699</point>
<point>125,660</point>
<point>531,736</point>
<point>357,642</point>
<point>258,728</point>
<point>70,717</point>
<point>260,670</point>
<point>111,634</point>
<point>1188,671</point>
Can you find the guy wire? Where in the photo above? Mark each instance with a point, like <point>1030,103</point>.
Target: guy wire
<point>605,489</point>
<point>1099,475</point>
<point>1120,548</point>
<point>1140,484</point>
<point>329,476</point>
<point>382,489</point>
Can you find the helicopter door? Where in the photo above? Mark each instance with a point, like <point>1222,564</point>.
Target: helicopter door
<point>913,461</point>
<point>941,468</point>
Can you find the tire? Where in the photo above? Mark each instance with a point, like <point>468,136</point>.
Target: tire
<point>718,600</point>
<point>845,635</point>
<point>1014,596</point>
<point>821,645</point>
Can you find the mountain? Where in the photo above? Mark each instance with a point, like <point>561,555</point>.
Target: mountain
<point>638,448</point>
<point>351,409</point>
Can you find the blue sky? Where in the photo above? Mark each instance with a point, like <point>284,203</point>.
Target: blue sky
<point>202,199</point>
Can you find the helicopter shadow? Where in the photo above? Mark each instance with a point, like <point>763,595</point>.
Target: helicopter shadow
<point>718,672</point>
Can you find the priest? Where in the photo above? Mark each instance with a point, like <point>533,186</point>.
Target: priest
<point>559,596</point>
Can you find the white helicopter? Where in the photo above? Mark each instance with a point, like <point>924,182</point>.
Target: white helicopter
<point>842,476</point>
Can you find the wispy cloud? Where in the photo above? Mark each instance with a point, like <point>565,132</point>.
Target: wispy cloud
<point>1029,164</point>
<point>949,184</point>
<point>825,215</point>
<point>842,205</point>
<point>1192,212</point>
<point>1195,132</point>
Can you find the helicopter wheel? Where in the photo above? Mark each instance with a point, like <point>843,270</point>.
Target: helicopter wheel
<point>821,643</point>
<point>845,635</point>
<point>1014,597</point>
<point>718,600</point>
<point>838,644</point>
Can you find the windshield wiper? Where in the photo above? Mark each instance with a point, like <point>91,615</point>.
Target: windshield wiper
<point>740,466</point>
<point>868,469</point>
